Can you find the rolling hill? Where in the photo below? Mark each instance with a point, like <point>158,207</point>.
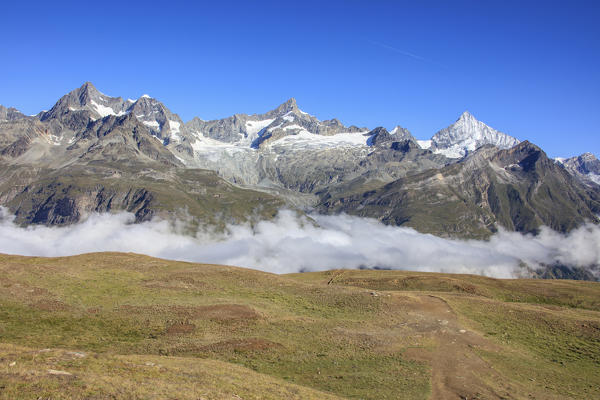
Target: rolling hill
<point>123,325</point>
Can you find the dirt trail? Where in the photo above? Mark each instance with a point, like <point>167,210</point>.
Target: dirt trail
<point>457,371</point>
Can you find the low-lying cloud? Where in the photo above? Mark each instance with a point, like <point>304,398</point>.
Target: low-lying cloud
<point>290,243</point>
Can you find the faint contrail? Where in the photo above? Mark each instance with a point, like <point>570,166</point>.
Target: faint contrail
<point>394,49</point>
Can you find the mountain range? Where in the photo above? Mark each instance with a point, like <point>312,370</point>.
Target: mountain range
<point>95,153</point>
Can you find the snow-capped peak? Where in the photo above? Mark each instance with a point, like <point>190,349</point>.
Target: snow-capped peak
<point>467,116</point>
<point>466,135</point>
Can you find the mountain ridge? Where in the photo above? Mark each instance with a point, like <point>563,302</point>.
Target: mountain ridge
<point>284,156</point>
<point>116,105</point>
<point>438,143</point>
<point>78,107</point>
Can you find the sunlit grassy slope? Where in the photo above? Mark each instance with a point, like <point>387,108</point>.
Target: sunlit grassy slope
<point>111,325</point>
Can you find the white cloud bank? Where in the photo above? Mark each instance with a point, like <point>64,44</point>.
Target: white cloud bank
<point>291,244</point>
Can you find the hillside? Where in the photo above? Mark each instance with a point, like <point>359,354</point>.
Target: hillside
<point>123,325</point>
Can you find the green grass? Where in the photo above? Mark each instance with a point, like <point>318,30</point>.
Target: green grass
<point>556,349</point>
<point>549,330</point>
<point>94,375</point>
<point>567,293</point>
<point>352,334</point>
<point>126,304</point>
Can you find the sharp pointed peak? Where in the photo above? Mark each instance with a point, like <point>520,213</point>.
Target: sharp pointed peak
<point>291,101</point>
<point>401,131</point>
<point>398,128</point>
<point>84,93</point>
<point>287,106</point>
<point>466,115</point>
<point>88,87</point>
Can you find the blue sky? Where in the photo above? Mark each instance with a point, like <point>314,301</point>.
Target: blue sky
<point>529,70</point>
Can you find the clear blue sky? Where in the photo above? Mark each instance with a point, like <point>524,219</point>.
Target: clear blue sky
<point>528,68</point>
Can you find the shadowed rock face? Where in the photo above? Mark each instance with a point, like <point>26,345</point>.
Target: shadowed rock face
<point>92,152</point>
<point>519,189</point>
<point>380,135</point>
<point>62,197</point>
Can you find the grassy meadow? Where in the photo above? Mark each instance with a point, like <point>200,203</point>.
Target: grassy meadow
<point>113,325</point>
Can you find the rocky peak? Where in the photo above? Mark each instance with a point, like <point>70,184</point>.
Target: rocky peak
<point>145,99</point>
<point>528,156</point>
<point>157,118</point>
<point>586,164</point>
<point>86,93</point>
<point>146,105</point>
<point>588,157</point>
<point>90,101</point>
<point>377,136</point>
<point>333,122</point>
<point>399,133</point>
<point>86,103</point>
<point>10,114</point>
<point>381,135</point>
<point>288,106</point>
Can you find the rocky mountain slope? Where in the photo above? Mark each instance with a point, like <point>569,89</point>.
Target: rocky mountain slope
<point>92,152</point>
<point>586,167</point>
<point>518,189</point>
<point>95,153</point>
